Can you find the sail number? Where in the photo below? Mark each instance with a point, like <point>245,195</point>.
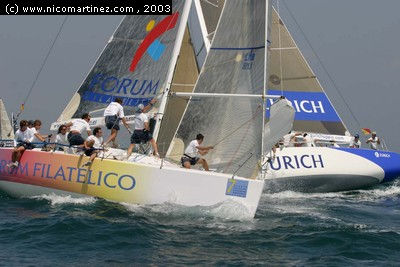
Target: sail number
<point>157,8</point>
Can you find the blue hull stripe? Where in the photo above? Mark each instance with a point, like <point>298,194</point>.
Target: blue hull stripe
<point>388,161</point>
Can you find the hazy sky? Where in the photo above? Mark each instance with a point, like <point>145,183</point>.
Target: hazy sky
<point>357,40</point>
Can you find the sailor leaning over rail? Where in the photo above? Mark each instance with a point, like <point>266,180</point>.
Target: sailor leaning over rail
<point>355,142</point>
<point>373,141</point>
<point>61,138</point>
<point>23,140</point>
<point>93,145</point>
<point>37,136</point>
<point>142,132</point>
<point>77,127</point>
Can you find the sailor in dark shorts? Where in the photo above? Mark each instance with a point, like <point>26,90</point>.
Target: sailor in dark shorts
<point>113,114</point>
<point>77,127</point>
<point>93,144</point>
<point>23,138</point>
<point>142,132</point>
<point>192,151</point>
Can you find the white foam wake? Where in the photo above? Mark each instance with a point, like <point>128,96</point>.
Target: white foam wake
<point>65,199</point>
<point>372,194</point>
<point>228,210</point>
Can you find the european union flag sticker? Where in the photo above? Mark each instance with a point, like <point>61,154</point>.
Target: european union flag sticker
<point>236,188</point>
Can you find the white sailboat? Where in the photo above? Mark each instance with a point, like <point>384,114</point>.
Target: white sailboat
<point>308,169</point>
<point>138,64</point>
<point>319,168</point>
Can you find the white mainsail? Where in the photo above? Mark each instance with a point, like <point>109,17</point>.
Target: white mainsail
<point>6,131</point>
<point>185,76</point>
<point>234,65</point>
<point>290,75</point>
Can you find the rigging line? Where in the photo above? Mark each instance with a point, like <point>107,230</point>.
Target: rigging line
<point>323,66</point>
<point>209,2</point>
<point>43,64</point>
<point>241,165</point>
<point>280,46</point>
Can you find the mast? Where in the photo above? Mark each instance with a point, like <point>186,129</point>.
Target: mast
<point>175,54</point>
<point>267,9</point>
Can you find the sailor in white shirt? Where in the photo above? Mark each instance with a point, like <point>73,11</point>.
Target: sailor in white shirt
<point>78,126</point>
<point>355,142</point>
<point>93,145</point>
<point>193,152</point>
<point>142,132</point>
<point>61,138</point>
<point>113,114</point>
<point>37,137</point>
<point>288,139</point>
<point>23,139</point>
<point>373,141</point>
<point>307,140</point>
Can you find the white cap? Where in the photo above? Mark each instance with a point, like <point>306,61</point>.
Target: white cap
<point>140,106</point>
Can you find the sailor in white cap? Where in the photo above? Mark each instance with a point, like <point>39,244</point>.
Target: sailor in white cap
<point>355,141</point>
<point>142,132</point>
<point>113,114</point>
<point>373,141</point>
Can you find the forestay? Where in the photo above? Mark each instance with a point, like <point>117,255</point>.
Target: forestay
<point>291,76</point>
<point>234,65</point>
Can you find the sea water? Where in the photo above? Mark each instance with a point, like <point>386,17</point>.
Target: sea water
<point>360,227</point>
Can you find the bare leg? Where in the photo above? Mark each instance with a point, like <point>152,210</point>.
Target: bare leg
<point>186,164</point>
<point>204,163</point>
<point>91,159</point>
<point>112,137</point>
<point>154,145</point>
<point>14,155</point>
<point>21,151</point>
<point>93,156</point>
<point>130,149</point>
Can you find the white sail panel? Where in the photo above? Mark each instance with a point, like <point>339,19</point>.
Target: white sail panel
<point>184,79</point>
<point>6,131</point>
<point>290,75</point>
<point>234,65</point>
<point>133,65</point>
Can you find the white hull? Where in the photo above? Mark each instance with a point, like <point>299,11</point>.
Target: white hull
<point>121,181</point>
<point>323,169</point>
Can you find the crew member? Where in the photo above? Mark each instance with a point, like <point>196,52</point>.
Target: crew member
<point>113,114</point>
<point>355,142</point>
<point>373,141</point>
<point>93,145</point>
<point>192,152</point>
<point>78,126</point>
<point>142,132</point>
<point>23,140</point>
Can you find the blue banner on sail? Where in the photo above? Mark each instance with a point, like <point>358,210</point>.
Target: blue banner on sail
<point>309,106</point>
